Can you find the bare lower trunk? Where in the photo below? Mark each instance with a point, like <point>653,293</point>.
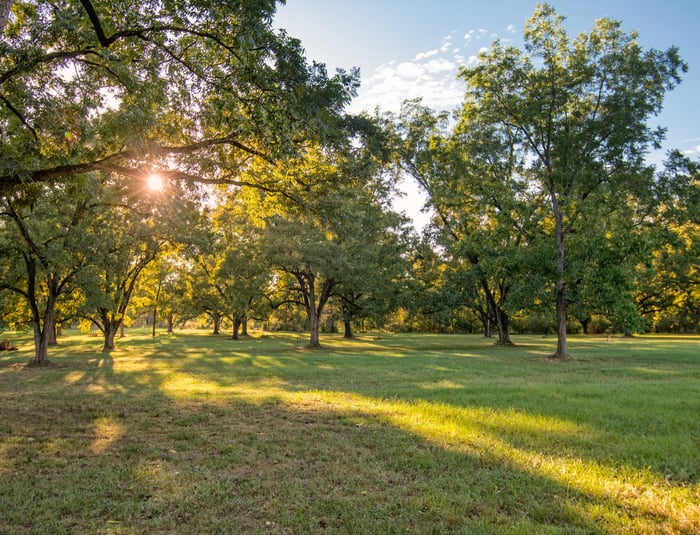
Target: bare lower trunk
<point>348,329</point>
<point>560,287</point>
<point>562,346</point>
<point>110,330</point>
<point>315,324</point>
<point>501,316</point>
<point>236,327</point>
<point>5,6</point>
<point>487,327</point>
<point>217,323</point>
<point>41,345</point>
<point>314,320</point>
<point>155,308</point>
<point>503,326</point>
<point>586,325</point>
<point>42,328</point>
<point>52,334</point>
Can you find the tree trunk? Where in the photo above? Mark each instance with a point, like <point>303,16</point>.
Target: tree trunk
<point>503,326</point>
<point>314,320</point>
<point>562,351</point>
<point>217,323</point>
<point>244,326</point>
<point>41,345</point>
<point>348,329</point>
<point>155,307</point>
<point>111,328</point>
<point>41,332</point>
<point>51,333</point>
<point>487,326</point>
<point>500,315</point>
<point>586,325</point>
<point>155,314</point>
<point>5,6</point>
<point>562,344</point>
<point>236,327</point>
<point>315,325</point>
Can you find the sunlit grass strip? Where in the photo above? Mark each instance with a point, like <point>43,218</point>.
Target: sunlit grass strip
<point>651,499</point>
<point>408,432</point>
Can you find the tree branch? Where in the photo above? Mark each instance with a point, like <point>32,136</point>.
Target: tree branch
<point>95,20</point>
<point>110,163</point>
<point>19,116</point>
<point>106,41</point>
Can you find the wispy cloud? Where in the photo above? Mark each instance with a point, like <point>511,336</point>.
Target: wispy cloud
<point>434,81</point>
<point>474,35</point>
<point>430,75</point>
<point>446,43</point>
<point>428,54</point>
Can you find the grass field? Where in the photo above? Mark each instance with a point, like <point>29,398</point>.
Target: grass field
<point>191,433</point>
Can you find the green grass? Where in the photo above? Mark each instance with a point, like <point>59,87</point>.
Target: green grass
<point>191,433</point>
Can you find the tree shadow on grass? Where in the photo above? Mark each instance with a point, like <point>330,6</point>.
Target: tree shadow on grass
<point>135,462</point>
<point>91,448</point>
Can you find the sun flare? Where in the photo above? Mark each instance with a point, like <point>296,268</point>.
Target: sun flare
<point>155,183</point>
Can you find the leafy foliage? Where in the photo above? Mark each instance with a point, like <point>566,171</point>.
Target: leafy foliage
<point>191,89</point>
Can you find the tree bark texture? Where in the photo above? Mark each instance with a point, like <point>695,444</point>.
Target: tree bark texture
<point>560,285</point>
<point>348,329</point>
<point>5,6</point>
<point>111,329</point>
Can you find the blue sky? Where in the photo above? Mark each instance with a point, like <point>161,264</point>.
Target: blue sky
<point>411,48</point>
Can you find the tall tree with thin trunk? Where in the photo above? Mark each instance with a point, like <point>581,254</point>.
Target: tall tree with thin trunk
<point>575,113</point>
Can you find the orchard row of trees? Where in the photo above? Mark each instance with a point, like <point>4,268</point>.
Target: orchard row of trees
<point>276,200</point>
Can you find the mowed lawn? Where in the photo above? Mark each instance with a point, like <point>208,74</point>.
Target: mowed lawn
<point>192,433</point>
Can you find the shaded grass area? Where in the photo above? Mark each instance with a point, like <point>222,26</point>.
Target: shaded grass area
<point>190,433</point>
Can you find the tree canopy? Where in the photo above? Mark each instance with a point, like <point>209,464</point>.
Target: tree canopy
<point>575,114</point>
<point>192,90</point>
<point>545,207</point>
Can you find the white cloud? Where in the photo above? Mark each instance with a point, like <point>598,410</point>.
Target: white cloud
<point>510,28</point>
<point>434,81</point>
<point>409,71</point>
<point>430,75</point>
<point>446,43</point>
<point>693,150</point>
<point>474,35</point>
<point>428,54</point>
<point>439,65</point>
